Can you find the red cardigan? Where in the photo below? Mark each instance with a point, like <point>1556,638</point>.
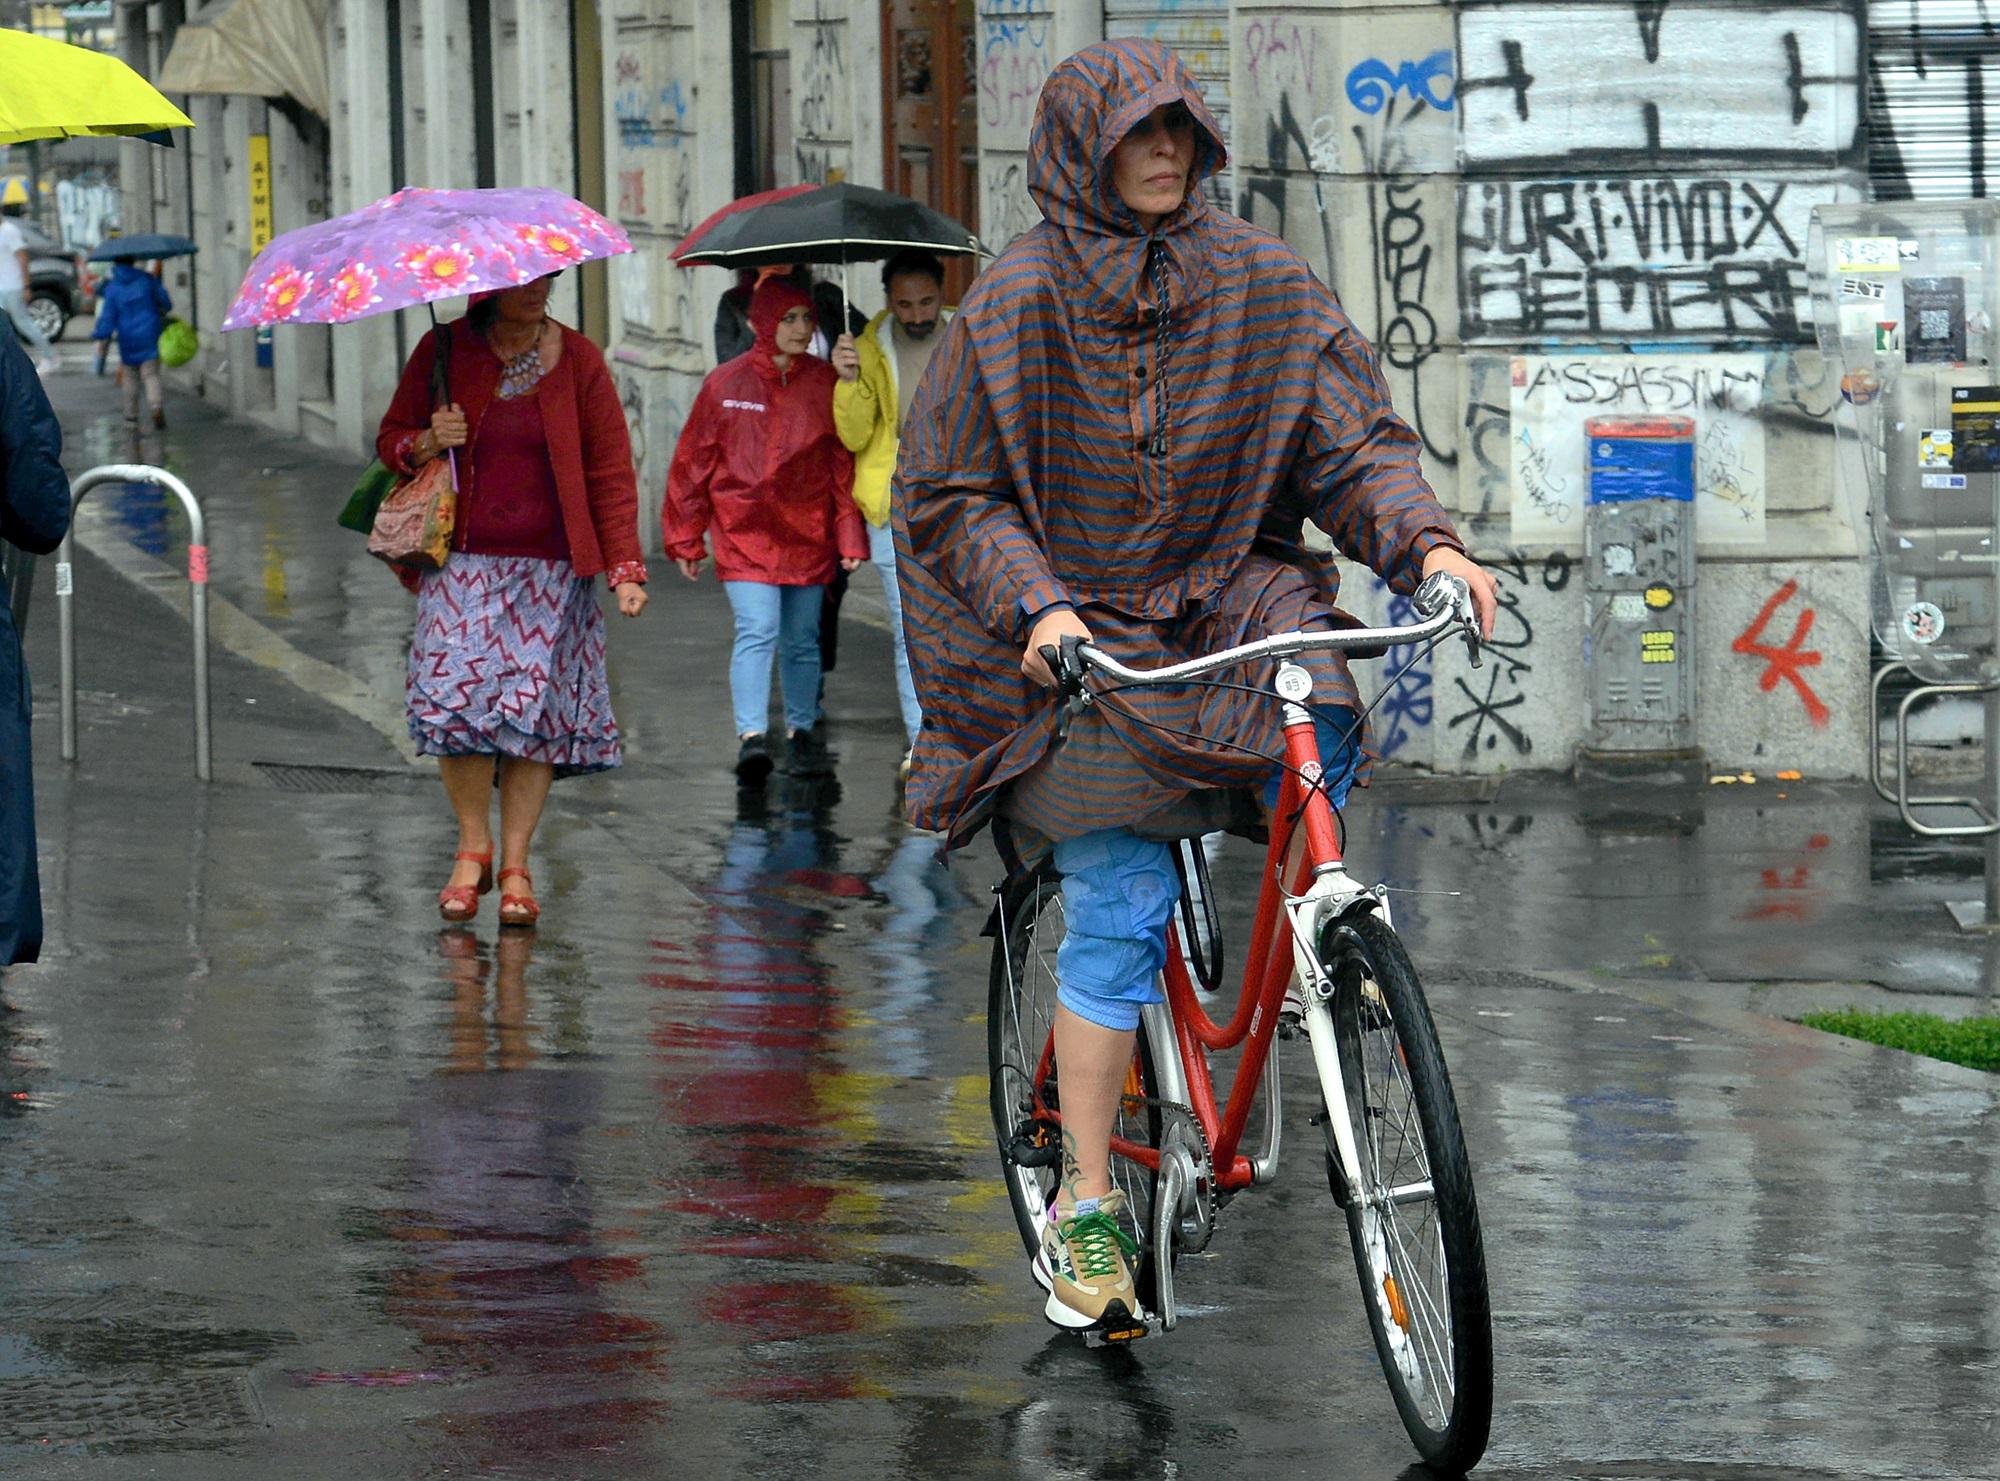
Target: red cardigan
<point>590,447</point>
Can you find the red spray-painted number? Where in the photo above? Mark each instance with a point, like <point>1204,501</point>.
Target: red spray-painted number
<point>1787,662</point>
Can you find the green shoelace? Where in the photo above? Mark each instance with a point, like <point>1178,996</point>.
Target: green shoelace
<point>1094,1241</point>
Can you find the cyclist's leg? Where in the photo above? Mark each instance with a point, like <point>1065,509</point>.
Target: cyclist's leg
<point>1119,892</point>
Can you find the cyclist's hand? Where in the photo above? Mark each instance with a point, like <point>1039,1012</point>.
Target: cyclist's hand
<point>690,568</point>
<point>1049,631</point>
<point>1485,591</point>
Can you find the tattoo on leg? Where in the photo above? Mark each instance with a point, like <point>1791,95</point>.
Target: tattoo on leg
<point>1072,1170</point>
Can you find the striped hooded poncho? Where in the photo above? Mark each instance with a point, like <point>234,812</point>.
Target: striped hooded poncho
<point>1136,424</point>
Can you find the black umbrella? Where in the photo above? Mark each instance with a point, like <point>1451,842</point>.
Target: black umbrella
<point>142,248</point>
<point>834,223</point>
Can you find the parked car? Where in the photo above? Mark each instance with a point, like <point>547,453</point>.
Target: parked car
<point>59,283</point>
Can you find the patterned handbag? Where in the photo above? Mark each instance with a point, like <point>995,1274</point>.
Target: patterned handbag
<point>414,524</point>
<point>413,527</point>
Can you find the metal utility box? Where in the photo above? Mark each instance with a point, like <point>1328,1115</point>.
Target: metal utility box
<point>1639,576</point>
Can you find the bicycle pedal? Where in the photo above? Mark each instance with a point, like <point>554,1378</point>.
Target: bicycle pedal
<point>1116,1333</point>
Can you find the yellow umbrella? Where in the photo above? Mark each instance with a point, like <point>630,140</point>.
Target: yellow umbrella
<point>50,90</point>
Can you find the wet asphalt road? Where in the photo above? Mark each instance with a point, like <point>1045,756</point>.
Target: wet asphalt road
<point>697,1180</point>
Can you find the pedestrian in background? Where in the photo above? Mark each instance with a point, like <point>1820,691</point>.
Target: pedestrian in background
<point>507,670</point>
<point>133,309</point>
<point>34,515</point>
<point>14,285</point>
<point>760,473</point>
<point>733,334</point>
<point>878,379</point>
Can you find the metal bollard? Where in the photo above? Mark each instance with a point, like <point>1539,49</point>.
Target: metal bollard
<point>198,584</point>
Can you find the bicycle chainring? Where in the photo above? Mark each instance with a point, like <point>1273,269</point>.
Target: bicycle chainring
<point>1181,1135</point>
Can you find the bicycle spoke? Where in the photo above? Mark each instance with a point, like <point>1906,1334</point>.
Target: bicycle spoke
<point>1423,1298</point>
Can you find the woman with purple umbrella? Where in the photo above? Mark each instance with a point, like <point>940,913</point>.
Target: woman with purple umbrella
<point>506,674</point>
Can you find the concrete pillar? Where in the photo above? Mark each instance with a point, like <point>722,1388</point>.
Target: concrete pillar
<point>365,358</point>
<point>669,146</point>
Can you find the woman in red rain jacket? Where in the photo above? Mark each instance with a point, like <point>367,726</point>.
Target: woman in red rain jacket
<point>761,475</point>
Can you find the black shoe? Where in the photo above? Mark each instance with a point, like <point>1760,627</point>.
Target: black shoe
<point>753,762</point>
<point>806,754</point>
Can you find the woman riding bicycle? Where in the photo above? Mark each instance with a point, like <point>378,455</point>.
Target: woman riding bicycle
<point>1136,408</point>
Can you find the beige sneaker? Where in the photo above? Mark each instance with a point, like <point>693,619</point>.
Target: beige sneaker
<point>1083,1264</point>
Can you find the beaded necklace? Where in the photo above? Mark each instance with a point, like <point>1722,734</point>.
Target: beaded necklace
<point>521,374</point>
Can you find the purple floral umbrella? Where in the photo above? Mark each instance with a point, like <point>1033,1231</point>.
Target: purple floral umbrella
<point>417,246</point>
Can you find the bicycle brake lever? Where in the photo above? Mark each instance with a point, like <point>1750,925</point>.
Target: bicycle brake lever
<point>1468,624</point>
<point>1067,669</point>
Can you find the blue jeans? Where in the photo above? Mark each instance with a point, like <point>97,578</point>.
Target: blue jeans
<point>882,551</point>
<point>1119,891</point>
<point>774,619</point>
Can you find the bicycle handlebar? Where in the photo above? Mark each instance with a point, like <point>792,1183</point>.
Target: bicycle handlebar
<point>1442,602</point>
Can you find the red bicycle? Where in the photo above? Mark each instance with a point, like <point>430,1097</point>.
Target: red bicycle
<point>1325,961</point>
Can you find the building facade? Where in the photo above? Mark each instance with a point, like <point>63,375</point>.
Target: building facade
<point>1541,213</point>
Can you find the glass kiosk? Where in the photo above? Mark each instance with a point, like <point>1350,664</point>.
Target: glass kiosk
<point>1905,297</point>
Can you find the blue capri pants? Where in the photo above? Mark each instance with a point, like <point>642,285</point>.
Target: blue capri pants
<point>1119,891</point>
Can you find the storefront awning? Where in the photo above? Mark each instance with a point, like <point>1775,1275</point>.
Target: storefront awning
<point>259,48</point>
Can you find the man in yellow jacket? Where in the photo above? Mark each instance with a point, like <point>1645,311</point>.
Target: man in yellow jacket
<point>878,381</point>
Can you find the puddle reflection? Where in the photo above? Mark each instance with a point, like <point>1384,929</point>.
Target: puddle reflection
<point>753,1081</point>
<point>503,1274</point>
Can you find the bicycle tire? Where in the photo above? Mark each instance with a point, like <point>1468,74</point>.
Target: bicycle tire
<point>1408,1264</point>
<point>1020,1000</point>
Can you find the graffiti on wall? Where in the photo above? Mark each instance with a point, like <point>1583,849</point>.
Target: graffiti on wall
<point>649,114</point>
<point>1400,235</point>
<point>1933,100</point>
<point>1600,201</point>
<point>1016,51</point>
<point>1407,703</point>
<point>1785,662</point>
<point>1541,83</point>
<point>823,79</point>
<point>86,211</point>
<point>1489,711</point>
<point>1637,256</point>
<point>1550,398</point>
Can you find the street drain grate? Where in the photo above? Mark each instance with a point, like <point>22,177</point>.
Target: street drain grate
<point>287,777</point>
<point>108,1412</point>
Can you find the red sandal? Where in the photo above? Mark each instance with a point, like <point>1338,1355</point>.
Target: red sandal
<point>460,902</point>
<point>522,909</point>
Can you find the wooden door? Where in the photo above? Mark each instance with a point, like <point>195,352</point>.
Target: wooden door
<point>930,100</point>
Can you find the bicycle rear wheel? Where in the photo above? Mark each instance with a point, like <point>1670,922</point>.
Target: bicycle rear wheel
<point>1020,1017</point>
<point>1413,1222</point>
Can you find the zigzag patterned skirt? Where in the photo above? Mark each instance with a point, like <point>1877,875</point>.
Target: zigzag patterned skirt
<point>509,660</point>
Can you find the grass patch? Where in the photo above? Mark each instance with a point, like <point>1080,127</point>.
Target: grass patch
<point>1973,1042</point>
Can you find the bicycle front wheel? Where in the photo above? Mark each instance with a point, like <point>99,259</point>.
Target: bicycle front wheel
<point>1413,1220</point>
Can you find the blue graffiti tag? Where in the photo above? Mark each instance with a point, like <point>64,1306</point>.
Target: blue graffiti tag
<point>1408,704</point>
<point>1371,84</point>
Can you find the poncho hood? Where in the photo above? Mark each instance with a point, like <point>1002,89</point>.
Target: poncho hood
<point>1091,101</point>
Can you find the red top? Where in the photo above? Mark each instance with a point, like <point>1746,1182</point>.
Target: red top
<point>589,447</point>
<point>508,501</point>
<point>759,470</point>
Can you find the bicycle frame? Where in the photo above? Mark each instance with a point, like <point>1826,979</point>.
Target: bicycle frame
<point>1288,923</point>
<point>1267,971</point>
